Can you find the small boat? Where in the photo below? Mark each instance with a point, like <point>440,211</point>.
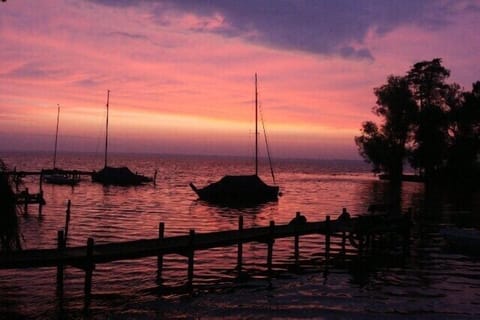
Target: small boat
<point>59,176</point>
<point>122,176</point>
<point>240,190</point>
<point>465,240</point>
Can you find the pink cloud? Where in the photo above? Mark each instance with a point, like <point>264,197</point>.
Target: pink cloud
<point>184,82</point>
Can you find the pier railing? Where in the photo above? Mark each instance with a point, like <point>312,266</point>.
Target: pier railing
<point>359,232</point>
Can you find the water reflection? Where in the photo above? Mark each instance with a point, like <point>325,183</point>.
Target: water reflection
<point>117,214</point>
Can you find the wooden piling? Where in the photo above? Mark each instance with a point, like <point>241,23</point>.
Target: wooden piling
<point>191,251</point>
<point>270,242</point>
<point>67,221</point>
<point>296,253</point>
<point>89,267</point>
<point>240,245</point>
<point>60,266</point>
<point>161,235</point>
<point>40,205</point>
<point>25,205</point>
<point>40,187</point>
<point>327,238</point>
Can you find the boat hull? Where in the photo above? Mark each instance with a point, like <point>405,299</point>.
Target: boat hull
<point>119,176</point>
<point>238,191</point>
<point>61,177</point>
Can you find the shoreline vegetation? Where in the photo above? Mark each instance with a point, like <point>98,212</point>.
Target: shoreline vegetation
<point>432,125</point>
<point>9,227</point>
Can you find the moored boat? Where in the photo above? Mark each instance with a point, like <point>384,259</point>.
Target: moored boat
<point>117,175</point>
<point>240,190</point>
<point>55,175</point>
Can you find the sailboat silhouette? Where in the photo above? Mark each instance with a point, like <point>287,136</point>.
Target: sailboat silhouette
<point>56,175</point>
<point>240,190</point>
<point>116,175</point>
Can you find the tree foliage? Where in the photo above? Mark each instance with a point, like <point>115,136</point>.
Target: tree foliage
<point>9,230</point>
<point>425,120</point>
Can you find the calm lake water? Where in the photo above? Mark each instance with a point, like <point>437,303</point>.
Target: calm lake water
<point>433,282</point>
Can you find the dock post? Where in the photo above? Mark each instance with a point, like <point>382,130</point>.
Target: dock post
<point>296,240</point>
<point>25,205</point>
<point>60,247</point>
<point>344,240</point>
<point>161,234</point>
<point>327,238</point>
<point>16,178</point>
<point>40,183</point>
<point>40,202</point>
<point>191,251</point>
<point>67,220</point>
<point>89,267</point>
<point>271,240</point>
<point>240,245</point>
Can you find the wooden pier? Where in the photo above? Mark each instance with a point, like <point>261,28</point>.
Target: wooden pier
<point>359,234</point>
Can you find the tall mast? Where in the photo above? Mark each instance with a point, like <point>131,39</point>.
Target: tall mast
<point>106,130</point>
<point>56,139</point>
<point>256,126</point>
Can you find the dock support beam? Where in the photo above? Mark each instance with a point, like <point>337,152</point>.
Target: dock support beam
<point>67,221</point>
<point>271,240</point>
<point>240,245</point>
<point>327,238</point>
<point>296,253</point>
<point>161,235</point>
<point>89,267</point>
<point>25,206</point>
<point>60,267</point>
<point>191,251</point>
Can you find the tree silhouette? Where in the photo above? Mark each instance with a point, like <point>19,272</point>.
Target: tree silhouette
<point>427,83</point>
<point>435,125</point>
<point>9,230</point>
<point>386,148</point>
<point>464,129</point>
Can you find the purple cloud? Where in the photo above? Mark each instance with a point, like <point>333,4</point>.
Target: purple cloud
<point>319,27</point>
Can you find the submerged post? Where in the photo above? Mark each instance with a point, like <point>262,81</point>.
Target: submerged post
<point>240,244</point>
<point>191,251</point>
<point>89,267</point>
<point>161,234</point>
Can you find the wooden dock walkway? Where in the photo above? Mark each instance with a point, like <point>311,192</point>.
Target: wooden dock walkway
<point>362,229</point>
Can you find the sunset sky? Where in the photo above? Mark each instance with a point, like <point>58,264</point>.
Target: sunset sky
<point>181,73</point>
